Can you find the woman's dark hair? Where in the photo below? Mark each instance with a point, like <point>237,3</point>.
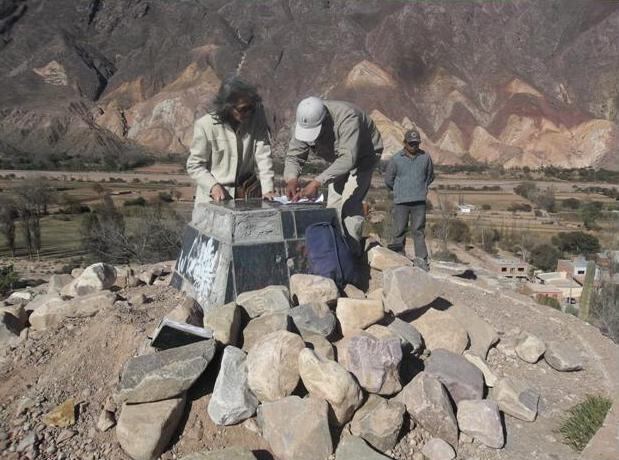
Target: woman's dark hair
<point>231,90</point>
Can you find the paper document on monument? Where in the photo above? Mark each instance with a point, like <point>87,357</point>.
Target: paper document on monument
<point>172,334</point>
<point>285,200</point>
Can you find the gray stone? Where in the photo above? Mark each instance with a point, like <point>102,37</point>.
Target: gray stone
<point>28,441</point>
<point>320,345</point>
<point>19,298</point>
<point>229,453</point>
<point>232,401</point>
<point>257,328</point>
<point>41,300</point>
<point>379,422</point>
<point>380,332</point>
<point>437,449</point>
<point>313,319</point>
<point>490,377</point>
<point>375,363</point>
<point>441,330</point>
<point>106,420</point>
<point>188,311</point>
<point>516,399</point>
<point>94,278</point>
<point>563,357</point>
<point>408,334</point>
<point>355,314</point>
<point>144,430</point>
<point>328,380</point>
<point>376,294</point>
<point>296,429</point>
<point>530,349</point>
<point>481,420</point>
<point>54,312</point>
<point>427,401</point>
<point>353,292</point>
<point>165,374</point>
<point>407,289</point>
<point>273,365</point>
<point>462,379</point>
<point>355,448</point>
<point>313,288</point>
<point>481,334</point>
<point>381,258</point>
<point>271,299</point>
<point>57,282</point>
<point>225,322</point>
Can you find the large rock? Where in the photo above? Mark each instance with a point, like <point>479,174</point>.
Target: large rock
<point>54,312</point>
<point>481,420</point>
<point>516,399</point>
<point>441,330</point>
<point>355,448</point>
<point>356,314</point>
<point>320,345</point>
<point>408,334</point>
<point>353,292</point>
<point>481,334</point>
<point>328,380</point>
<point>165,374</point>
<point>57,282</point>
<point>257,328</point>
<point>19,298</point>
<point>271,299</point>
<point>313,319</point>
<point>380,332</point>
<point>273,365</point>
<point>375,363</point>
<point>490,377</point>
<point>232,401</point>
<point>530,349</point>
<point>94,278</point>
<point>12,322</point>
<point>188,311</point>
<point>313,288</point>
<point>408,288</point>
<point>427,401</point>
<point>41,300</point>
<point>381,258</point>
<point>462,379</point>
<point>296,429</point>
<point>379,422</point>
<point>563,357</point>
<point>229,453</point>
<point>437,449</point>
<point>225,322</point>
<point>144,430</point>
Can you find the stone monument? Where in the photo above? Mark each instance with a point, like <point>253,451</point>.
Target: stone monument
<point>237,246</point>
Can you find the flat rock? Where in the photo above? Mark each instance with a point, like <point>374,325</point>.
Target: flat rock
<point>314,319</point>
<point>379,422</point>
<point>375,363</point>
<point>408,288</point>
<point>273,365</point>
<point>355,448</point>
<point>264,325</point>
<point>490,377</point>
<point>408,334</point>
<point>441,330</point>
<point>94,278</point>
<point>296,429</point>
<point>427,401</point>
<point>437,449</point>
<point>53,313</point>
<point>61,416</point>
<point>188,311</point>
<point>229,453</point>
<point>144,430</point>
<point>356,314</point>
<point>232,401</point>
<point>225,322</point>
<point>106,420</point>
<point>165,374</point>
<point>515,398</point>
<point>313,288</point>
<point>353,292</point>
<point>271,299</point>
<point>43,299</point>
<point>482,335</point>
<point>563,357</point>
<point>462,379</point>
<point>530,349</point>
<point>57,282</point>
<point>328,380</point>
<point>381,258</point>
<point>481,420</point>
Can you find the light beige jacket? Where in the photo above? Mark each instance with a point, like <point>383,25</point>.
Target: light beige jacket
<point>218,155</point>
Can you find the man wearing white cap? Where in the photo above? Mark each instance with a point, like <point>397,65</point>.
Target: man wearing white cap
<point>346,137</point>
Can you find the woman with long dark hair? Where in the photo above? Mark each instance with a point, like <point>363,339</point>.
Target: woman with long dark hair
<point>230,156</point>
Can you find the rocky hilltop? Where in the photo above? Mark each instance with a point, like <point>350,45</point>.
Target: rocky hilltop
<point>515,83</point>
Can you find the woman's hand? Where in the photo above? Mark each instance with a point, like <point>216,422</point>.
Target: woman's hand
<point>219,193</point>
<point>292,188</point>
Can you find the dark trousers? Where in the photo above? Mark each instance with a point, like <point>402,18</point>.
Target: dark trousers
<point>416,211</point>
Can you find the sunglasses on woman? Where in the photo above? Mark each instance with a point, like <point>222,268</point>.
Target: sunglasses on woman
<point>247,108</point>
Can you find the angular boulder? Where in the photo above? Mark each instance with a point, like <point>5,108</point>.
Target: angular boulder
<point>563,357</point>
<point>462,379</point>
<point>381,258</point>
<point>441,330</point>
<point>516,399</point>
<point>530,349</point>
<point>379,422</point>
<point>313,319</point>
<point>408,288</point>
<point>437,449</point>
<point>55,312</point>
<point>271,299</point>
<point>263,325</point>
<point>408,334</point>
<point>353,292</point>
<point>490,377</point>
<point>188,311</point>
<point>356,314</point>
<point>481,420</point>
<point>94,278</point>
<point>320,345</point>
<point>313,288</point>
<point>355,448</point>
<point>481,334</point>
<point>225,322</point>
<point>57,282</point>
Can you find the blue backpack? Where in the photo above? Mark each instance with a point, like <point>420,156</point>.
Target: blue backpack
<point>328,253</point>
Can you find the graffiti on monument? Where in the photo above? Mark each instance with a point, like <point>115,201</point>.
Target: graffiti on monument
<point>198,263</point>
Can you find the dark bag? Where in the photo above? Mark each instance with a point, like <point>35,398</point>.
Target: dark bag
<point>328,253</point>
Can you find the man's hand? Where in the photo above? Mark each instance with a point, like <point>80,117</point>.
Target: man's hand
<point>219,193</point>
<point>269,196</point>
<point>310,190</point>
<point>292,188</point>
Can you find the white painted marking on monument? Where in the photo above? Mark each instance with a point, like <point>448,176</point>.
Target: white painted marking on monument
<point>200,265</point>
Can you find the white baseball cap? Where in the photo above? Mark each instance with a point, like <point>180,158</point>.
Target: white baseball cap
<point>311,112</point>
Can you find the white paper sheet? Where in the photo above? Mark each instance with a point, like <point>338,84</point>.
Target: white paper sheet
<point>284,200</point>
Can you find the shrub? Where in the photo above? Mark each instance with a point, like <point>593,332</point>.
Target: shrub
<point>8,278</point>
<point>486,207</point>
<point>445,256</point>
<point>576,243</point>
<point>139,201</point>
<point>583,421</point>
<point>571,203</point>
<point>545,257</point>
<point>549,301</point>
<point>165,197</point>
